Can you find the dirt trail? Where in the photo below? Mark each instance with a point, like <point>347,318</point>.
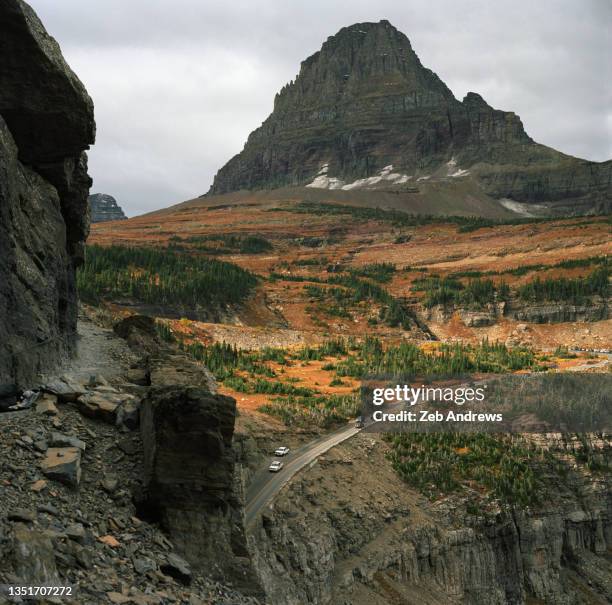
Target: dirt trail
<point>99,351</point>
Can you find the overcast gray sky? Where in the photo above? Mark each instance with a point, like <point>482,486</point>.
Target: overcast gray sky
<point>179,84</point>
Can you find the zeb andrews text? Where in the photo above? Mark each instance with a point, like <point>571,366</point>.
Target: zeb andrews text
<point>422,395</point>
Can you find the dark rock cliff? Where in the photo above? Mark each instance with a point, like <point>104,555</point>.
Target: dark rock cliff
<point>46,124</point>
<point>365,102</point>
<point>189,480</point>
<point>104,207</point>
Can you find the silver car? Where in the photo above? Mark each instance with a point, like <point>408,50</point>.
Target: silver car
<point>281,451</point>
<point>275,466</point>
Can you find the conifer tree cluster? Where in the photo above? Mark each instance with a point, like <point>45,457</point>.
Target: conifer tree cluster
<point>439,463</point>
<point>162,277</point>
<point>563,289</point>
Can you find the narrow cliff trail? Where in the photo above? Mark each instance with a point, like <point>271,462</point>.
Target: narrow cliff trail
<point>99,352</point>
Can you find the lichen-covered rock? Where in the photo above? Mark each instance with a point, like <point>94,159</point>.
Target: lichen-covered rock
<point>46,124</point>
<point>365,107</point>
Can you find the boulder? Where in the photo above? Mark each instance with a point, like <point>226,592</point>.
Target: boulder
<point>60,440</point>
<point>46,404</point>
<point>76,532</point>
<point>177,568</point>
<point>21,514</point>
<point>65,389</point>
<point>140,333</point>
<point>63,464</point>
<point>128,414</point>
<point>100,406</point>
<point>179,369</point>
<point>110,484</point>
<point>138,376</point>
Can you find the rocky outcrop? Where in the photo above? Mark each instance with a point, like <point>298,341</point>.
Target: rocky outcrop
<point>67,512</point>
<point>486,315</point>
<point>189,479</point>
<point>505,562</point>
<point>104,207</point>
<point>46,123</point>
<point>191,485</point>
<point>596,310</point>
<point>364,111</point>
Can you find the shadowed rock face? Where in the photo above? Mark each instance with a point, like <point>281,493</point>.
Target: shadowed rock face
<point>365,102</point>
<point>46,123</point>
<point>189,483</point>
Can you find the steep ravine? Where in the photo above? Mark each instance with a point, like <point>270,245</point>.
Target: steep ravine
<point>348,532</point>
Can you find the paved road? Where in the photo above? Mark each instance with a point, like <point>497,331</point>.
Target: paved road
<point>265,484</point>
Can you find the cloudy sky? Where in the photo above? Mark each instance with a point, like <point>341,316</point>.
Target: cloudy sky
<point>179,84</point>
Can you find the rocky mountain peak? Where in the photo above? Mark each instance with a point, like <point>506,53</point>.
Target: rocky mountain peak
<point>361,61</point>
<point>364,107</point>
<point>104,207</point>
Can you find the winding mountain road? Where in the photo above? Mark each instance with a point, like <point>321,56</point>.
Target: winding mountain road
<point>265,484</point>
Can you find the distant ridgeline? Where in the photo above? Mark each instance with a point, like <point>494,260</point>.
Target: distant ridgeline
<point>105,208</point>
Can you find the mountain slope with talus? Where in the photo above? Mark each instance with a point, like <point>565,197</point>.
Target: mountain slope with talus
<point>364,113</point>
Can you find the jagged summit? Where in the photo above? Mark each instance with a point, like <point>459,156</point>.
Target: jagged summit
<point>364,111</point>
<point>358,61</point>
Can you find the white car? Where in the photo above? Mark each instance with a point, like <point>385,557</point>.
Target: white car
<point>275,466</point>
<point>281,451</point>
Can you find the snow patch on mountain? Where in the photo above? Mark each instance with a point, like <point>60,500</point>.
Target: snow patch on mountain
<point>386,175</point>
<point>453,171</point>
